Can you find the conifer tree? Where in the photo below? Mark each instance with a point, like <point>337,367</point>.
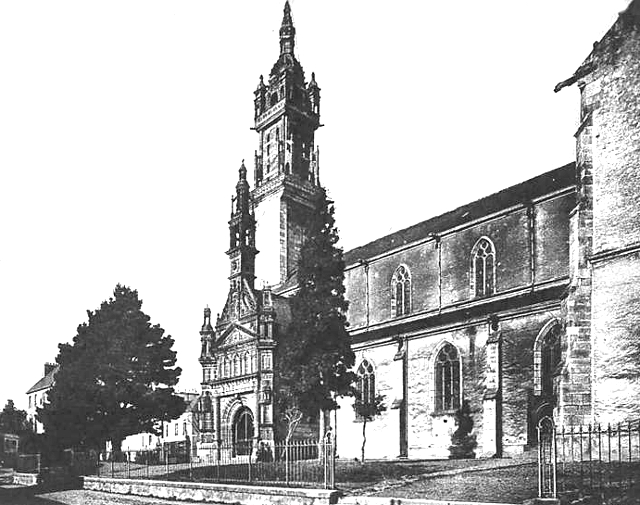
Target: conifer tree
<point>116,379</point>
<point>314,353</point>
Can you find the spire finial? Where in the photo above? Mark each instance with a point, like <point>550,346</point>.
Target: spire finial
<point>243,171</point>
<point>287,31</point>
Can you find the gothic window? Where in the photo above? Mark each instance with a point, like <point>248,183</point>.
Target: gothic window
<point>214,371</point>
<point>483,268</point>
<point>401,292</point>
<point>207,375</point>
<point>247,363</point>
<point>227,367</point>
<point>236,365</point>
<point>447,379</point>
<point>274,98</point>
<point>366,382</point>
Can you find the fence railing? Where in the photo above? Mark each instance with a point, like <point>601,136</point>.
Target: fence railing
<point>591,460</point>
<point>305,463</point>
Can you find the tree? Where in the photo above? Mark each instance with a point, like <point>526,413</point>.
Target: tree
<point>314,353</point>
<point>13,420</point>
<point>116,379</point>
<point>462,442</point>
<point>367,411</point>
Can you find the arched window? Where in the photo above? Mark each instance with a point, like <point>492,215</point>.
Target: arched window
<point>483,268</point>
<point>401,292</point>
<point>367,382</point>
<point>236,365</point>
<point>447,379</point>
<point>227,367</point>
<point>247,363</point>
<point>214,371</point>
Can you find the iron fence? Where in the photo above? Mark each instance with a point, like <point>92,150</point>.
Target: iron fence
<point>590,460</point>
<point>304,463</point>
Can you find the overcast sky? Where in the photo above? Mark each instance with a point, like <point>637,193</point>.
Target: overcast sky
<point>123,124</point>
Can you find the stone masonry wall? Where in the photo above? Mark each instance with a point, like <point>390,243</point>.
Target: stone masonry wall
<point>603,309</point>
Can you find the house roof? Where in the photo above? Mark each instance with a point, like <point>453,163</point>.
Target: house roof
<point>525,191</point>
<point>44,383</point>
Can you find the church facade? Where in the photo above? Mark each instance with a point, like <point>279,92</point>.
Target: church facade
<point>523,304</point>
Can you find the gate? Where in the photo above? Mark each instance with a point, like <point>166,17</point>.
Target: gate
<point>547,485</point>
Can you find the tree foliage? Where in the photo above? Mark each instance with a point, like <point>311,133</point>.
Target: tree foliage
<point>116,379</point>
<point>13,420</point>
<point>367,411</point>
<point>314,353</point>
<point>463,443</point>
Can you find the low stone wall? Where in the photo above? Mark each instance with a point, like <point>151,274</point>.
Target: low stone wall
<point>217,493</point>
<point>25,479</point>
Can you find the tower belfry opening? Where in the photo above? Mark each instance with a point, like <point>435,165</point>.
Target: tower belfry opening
<point>286,173</point>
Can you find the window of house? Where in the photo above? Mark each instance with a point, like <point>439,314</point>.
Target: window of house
<point>366,382</point>
<point>447,379</point>
<point>167,431</point>
<point>29,401</point>
<point>483,266</point>
<point>401,292</point>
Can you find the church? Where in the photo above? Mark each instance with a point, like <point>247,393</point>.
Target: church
<point>523,304</point>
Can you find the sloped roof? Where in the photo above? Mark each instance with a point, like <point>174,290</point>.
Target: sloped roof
<point>525,191</point>
<point>45,382</point>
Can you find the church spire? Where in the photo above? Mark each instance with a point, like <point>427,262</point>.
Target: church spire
<point>287,31</point>
<point>242,230</point>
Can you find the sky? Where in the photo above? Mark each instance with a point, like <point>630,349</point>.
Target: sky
<point>123,124</point>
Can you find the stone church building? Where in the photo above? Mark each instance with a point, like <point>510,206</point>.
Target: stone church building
<point>524,304</point>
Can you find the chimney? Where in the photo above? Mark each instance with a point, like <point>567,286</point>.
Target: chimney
<point>48,367</point>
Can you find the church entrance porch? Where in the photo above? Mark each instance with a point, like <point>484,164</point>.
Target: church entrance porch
<point>243,432</point>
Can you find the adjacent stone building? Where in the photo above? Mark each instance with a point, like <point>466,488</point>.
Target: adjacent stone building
<point>524,304</point>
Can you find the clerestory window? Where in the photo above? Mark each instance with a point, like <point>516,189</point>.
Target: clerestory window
<point>483,268</point>
<point>401,292</point>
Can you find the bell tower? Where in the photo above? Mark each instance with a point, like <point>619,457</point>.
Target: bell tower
<point>242,236</point>
<point>287,178</point>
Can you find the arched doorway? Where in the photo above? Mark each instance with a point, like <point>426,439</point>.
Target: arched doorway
<point>547,356</point>
<point>243,432</point>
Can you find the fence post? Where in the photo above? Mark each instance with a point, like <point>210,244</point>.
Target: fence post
<point>128,464</point>
<point>286,462</point>
<point>333,451</point>
<point>112,469</point>
<point>190,468</point>
<point>166,463</point>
